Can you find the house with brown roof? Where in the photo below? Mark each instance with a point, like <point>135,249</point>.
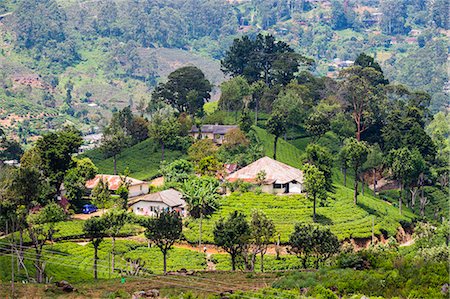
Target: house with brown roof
<point>278,177</point>
<point>214,132</point>
<point>151,204</point>
<point>135,188</point>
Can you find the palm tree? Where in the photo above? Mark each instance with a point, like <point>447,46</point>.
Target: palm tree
<point>202,199</point>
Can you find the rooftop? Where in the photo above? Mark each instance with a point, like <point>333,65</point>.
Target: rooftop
<point>276,172</point>
<point>170,197</point>
<point>114,181</point>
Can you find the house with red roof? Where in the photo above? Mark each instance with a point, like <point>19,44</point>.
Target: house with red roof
<point>135,187</point>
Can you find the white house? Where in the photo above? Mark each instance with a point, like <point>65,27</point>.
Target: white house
<point>279,177</point>
<point>151,204</point>
<point>135,188</point>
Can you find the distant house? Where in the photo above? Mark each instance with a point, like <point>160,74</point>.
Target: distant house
<point>279,177</point>
<point>136,187</point>
<point>151,204</point>
<point>214,132</point>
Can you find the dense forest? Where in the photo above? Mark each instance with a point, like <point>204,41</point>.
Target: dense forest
<point>79,61</point>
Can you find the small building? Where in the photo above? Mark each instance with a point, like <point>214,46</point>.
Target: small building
<point>135,188</point>
<point>214,132</point>
<point>279,177</point>
<point>151,204</point>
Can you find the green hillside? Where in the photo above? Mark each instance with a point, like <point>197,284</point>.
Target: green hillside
<point>142,159</point>
<point>344,218</point>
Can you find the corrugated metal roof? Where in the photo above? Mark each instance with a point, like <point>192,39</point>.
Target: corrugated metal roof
<point>170,197</point>
<point>114,181</point>
<point>276,172</point>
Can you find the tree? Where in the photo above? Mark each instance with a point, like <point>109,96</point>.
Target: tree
<point>208,166</point>
<point>317,124</point>
<point>262,58</point>
<point>178,171</point>
<point>360,96</point>
<point>186,90</point>
<point>235,138</point>
<point>115,219</point>
<point>201,198</point>
<point>312,241</point>
<point>401,165</point>
<point>76,177</point>
<point>320,157</point>
<point>245,121</point>
<point>55,152</point>
<point>201,149</point>
<point>356,154</point>
<point>100,194</point>
<point>262,232</point>
<point>11,149</point>
<point>134,127</point>
<point>233,93</point>
<point>164,230</point>
<point>41,227</point>
<point>276,125</point>
<point>164,130</point>
<point>95,229</point>
<point>113,143</point>
<point>314,185</point>
<point>233,235</point>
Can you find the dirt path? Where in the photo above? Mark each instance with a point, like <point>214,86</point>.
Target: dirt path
<point>87,216</point>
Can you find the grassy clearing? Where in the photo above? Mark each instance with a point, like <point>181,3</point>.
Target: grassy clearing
<point>142,159</point>
<point>74,262</point>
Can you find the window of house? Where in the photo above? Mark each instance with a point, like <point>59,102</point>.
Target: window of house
<point>277,186</point>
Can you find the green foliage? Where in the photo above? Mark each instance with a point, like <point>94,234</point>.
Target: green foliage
<point>314,182</point>
<point>186,90</point>
<point>232,235</point>
<point>164,230</point>
<point>321,158</point>
<point>177,172</point>
<point>234,93</point>
<point>55,151</point>
<point>76,177</point>
<point>101,194</point>
<point>202,149</point>
<point>309,241</point>
<point>276,125</point>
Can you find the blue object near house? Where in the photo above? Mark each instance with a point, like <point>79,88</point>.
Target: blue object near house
<point>87,209</point>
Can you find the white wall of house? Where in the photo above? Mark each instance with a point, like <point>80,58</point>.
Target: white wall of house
<point>148,208</point>
<point>295,188</point>
<point>137,190</point>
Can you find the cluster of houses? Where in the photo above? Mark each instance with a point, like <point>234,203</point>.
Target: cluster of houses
<point>278,178</point>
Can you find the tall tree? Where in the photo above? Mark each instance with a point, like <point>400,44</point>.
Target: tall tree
<point>164,129</point>
<point>360,96</point>
<point>262,58</point>
<point>41,227</point>
<point>262,232</point>
<point>76,177</point>
<point>164,230</point>
<point>95,229</point>
<point>233,235</point>
<point>186,90</point>
<point>55,152</point>
<point>315,185</point>
<point>201,198</point>
<point>320,157</point>
<point>276,125</point>
<point>356,153</point>
<point>401,165</point>
<point>115,219</point>
<point>233,93</point>
<point>114,141</point>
